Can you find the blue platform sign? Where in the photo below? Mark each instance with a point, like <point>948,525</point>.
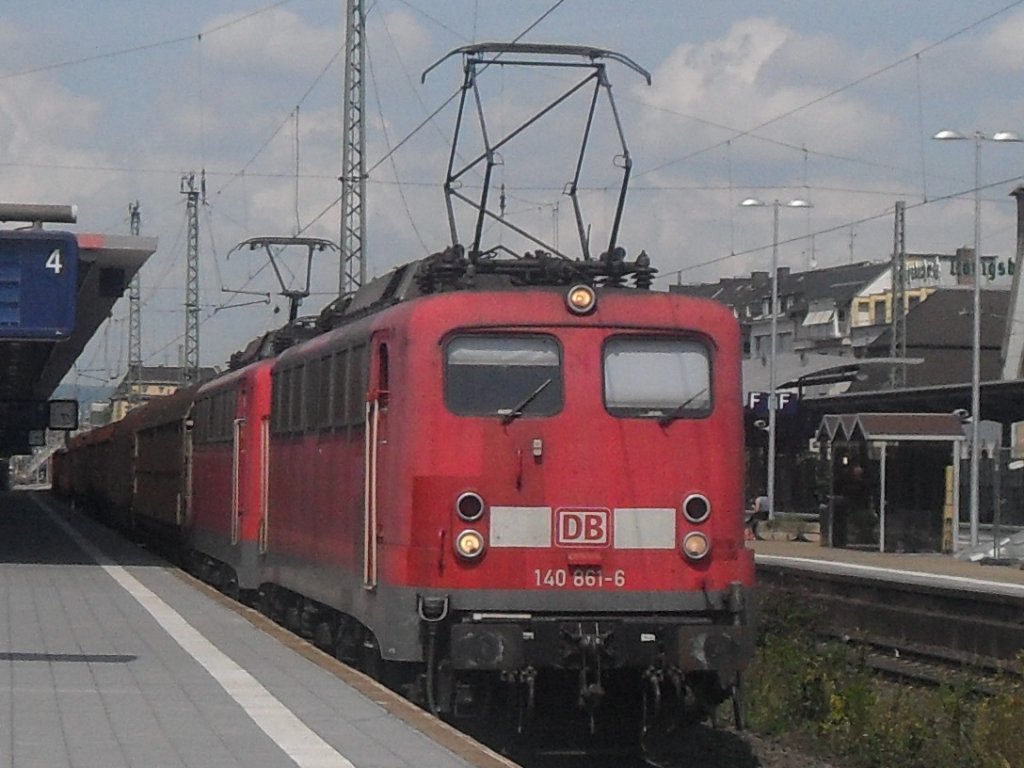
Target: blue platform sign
<point>786,403</point>
<point>38,284</point>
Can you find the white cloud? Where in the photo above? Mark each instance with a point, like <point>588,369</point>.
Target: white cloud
<point>409,38</point>
<point>277,42</point>
<point>713,74</point>
<point>757,72</point>
<point>42,124</point>
<point>1001,48</point>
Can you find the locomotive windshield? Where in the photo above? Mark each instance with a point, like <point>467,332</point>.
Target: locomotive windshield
<point>657,378</point>
<point>506,376</point>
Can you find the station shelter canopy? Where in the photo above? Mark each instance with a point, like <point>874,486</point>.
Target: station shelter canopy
<point>894,480</point>
<point>881,427</point>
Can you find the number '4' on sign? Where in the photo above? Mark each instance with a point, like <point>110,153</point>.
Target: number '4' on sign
<point>53,261</point>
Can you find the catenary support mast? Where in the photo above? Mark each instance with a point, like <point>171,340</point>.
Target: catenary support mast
<point>353,153</point>
<point>190,369</point>
<point>134,318</point>
<point>898,328</point>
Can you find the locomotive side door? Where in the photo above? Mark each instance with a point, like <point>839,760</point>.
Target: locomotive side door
<point>237,479</point>
<point>238,462</point>
<point>263,472</point>
<point>375,437</point>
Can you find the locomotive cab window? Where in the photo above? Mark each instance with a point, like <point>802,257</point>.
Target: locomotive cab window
<point>657,378</point>
<point>505,376</point>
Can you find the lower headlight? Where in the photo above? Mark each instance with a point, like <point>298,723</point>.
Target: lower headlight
<point>469,544</point>
<point>696,545</point>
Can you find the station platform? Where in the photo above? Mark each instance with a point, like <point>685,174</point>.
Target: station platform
<point>111,658</point>
<point>925,569</point>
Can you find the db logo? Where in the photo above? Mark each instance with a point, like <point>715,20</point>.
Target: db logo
<point>582,528</point>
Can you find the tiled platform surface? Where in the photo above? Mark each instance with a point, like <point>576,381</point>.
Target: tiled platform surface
<point>109,659</point>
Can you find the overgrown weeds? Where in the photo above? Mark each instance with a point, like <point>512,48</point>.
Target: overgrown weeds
<point>825,694</point>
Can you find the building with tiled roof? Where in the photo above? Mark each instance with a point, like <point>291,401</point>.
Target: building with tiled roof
<point>940,334</point>
<point>154,381</point>
<point>840,310</point>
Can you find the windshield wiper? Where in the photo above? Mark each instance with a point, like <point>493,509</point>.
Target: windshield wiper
<point>678,411</point>
<point>516,412</point>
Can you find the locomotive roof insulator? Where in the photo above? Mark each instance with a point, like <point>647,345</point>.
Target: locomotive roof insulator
<point>581,299</point>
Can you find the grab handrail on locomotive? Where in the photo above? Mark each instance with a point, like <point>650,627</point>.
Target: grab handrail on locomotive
<point>511,488</point>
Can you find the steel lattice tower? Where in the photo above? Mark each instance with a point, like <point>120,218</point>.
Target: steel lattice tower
<point>898,328</point>
<point>134,319</point>
<point>190,369</point>
<point>353,153</point>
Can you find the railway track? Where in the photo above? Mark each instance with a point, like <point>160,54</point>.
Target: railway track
<point>927,634</point>
<point>930,666</point>
<point>698,744</point>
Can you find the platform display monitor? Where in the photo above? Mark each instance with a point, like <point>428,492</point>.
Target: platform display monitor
<point>38,284</point>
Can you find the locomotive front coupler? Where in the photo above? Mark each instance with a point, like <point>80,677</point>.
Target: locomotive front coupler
<point>586,645</point>
<point>590,649</point>
<point>653,678</point>
<point>524,681</point>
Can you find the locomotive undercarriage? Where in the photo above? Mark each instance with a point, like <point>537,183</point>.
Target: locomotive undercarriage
<point>619,674</point>
<point>607,678</point>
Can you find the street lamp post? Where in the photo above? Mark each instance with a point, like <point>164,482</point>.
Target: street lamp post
<point>979,137</point>
<point>753,202</point>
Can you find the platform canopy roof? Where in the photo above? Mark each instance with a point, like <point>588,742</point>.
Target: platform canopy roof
<point>794,370</point>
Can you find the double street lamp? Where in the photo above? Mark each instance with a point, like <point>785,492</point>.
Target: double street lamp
<point>979,137</point>
<point>753,202</point>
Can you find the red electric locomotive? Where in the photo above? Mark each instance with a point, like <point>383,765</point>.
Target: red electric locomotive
<point>230,440</point>
<point>517,490</point>
<point>488,483</point>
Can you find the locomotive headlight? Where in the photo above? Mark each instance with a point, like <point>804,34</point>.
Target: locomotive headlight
<point>696,545</point>
<point>581,299</point>
<point>696,508</point>
<point>470,506</point>
<point>469,544</point>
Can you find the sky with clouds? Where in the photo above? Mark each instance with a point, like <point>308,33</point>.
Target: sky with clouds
<point>109,102</point>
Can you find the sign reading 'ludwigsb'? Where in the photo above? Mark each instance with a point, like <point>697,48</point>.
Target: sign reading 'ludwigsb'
<point>942,270</point>
<point>38,284</point>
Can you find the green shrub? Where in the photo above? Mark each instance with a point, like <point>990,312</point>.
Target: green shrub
<point>823,693</point>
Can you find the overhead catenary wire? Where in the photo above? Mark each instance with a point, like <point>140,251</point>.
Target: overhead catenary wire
<point>625,97</point>
<point>387,141</point>
<point>841,89</point>
<point>139,48</point>
<point>431,116</point>
<point>406,183</point>
<point>280,126</point>
<point>835,228</point>
<point>737,132</point>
